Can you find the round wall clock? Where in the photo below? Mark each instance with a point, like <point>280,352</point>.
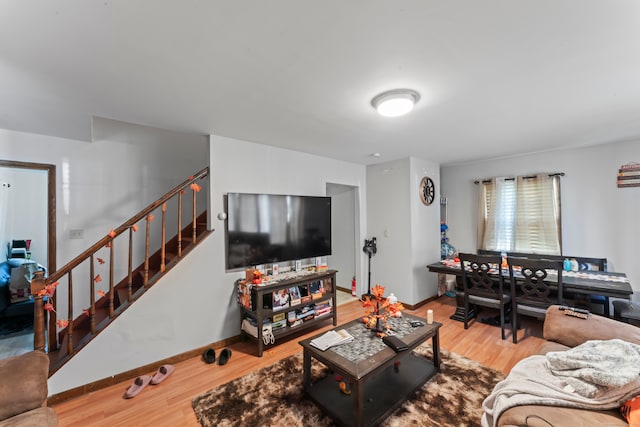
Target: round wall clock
<point>427,190</point>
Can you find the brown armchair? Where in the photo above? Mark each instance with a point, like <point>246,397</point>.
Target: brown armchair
<point>23,391</point>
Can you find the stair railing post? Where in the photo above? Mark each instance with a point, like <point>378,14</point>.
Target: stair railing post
<point>92,295</point>
<point>193,240</point>
<point>111,269</point>
<point>164,237</point>
<point>180,223</point>
<point>38,285</point>
<point>70,315</point>
<point>130,267</point>
<point>146,253</point>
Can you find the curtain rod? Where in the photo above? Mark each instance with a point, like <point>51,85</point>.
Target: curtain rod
<point>486,181</point>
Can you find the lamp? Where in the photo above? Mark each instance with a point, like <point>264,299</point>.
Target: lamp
<point>394,103</point>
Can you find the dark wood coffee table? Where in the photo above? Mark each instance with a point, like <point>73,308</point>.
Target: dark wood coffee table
<point>380,379</point>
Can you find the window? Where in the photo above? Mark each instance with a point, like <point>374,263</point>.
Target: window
<point>520,215</point>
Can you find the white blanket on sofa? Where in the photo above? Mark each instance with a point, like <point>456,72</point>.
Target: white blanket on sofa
<point>596,375</point>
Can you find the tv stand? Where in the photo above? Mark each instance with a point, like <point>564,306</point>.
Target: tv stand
<point>258,303</point>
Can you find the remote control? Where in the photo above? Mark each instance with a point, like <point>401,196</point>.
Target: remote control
<point>577,310</point>
<point>395,343</point>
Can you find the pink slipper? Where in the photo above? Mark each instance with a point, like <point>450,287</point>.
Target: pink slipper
<point>138,384</point>
<point>163,372</point>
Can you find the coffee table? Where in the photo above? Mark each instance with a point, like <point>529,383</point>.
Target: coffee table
<point>380,379</point>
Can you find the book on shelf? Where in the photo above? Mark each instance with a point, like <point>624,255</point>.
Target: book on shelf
<point>331,338</point>
<point>280,299</point>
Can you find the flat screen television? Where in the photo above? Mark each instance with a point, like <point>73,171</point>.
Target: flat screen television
<point>272,228</point>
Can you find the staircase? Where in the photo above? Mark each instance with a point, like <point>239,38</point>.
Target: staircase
<point>102,282</point>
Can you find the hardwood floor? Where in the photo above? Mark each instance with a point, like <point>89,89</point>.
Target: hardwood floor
<point>169,403</point>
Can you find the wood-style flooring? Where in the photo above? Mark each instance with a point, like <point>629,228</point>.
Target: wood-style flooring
<point>169,403</point>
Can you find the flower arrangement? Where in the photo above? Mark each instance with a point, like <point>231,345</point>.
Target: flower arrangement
<point>378,309</point>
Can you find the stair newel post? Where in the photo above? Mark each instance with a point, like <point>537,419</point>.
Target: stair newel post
<point>180,223</point>
<point>111,269</point>
<point>193,241</point>
<point>146,253</point>
<point>70,314</point>
<point>38,285</point>
<point>130,267</point>
<point>92,295</point>
<point>164,237</point>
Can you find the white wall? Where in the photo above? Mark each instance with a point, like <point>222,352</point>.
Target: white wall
<point>598,219</point>
<point>155,327</point>
<point>425,230</point>
<point>407,231</point>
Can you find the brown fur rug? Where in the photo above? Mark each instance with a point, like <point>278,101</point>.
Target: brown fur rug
<point>272,396</point>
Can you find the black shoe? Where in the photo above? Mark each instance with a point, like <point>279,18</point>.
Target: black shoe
<point>209,355</point>
<point>225,355</point>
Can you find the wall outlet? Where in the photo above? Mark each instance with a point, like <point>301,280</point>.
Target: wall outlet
<point>76,234</point>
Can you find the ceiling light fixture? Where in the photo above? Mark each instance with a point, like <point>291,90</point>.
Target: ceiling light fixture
<point>394,103</point>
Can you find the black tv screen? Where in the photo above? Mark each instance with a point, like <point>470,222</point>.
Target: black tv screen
<point>272,228</point>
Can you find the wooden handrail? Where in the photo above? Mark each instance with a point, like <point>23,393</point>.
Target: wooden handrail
<point>89,255</point>
<point>128,224</point>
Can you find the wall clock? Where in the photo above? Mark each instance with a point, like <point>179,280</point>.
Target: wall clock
<point>427,190</point>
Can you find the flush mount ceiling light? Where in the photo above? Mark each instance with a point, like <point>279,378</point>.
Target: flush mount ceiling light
<point>394,103</point>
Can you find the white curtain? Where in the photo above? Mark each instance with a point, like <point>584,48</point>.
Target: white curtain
<point>537,226</point>
<point>496,218</point>
<point>520,215</point>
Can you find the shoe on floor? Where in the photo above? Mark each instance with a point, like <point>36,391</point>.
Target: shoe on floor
<point>163,372</point>
<point>209,355</point>
<point>225,355</point>
<point>138,385</point>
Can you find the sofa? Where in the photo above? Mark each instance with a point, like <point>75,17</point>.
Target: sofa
<point>23,391</point>
<point>561,333</point>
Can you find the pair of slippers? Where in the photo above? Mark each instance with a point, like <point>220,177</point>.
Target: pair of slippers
<point>144,380</point>
<point>209,356</point>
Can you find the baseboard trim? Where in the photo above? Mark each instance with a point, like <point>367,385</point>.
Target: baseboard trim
<point>133,373</point>
<point>340,288</point>
<point>420,303</point>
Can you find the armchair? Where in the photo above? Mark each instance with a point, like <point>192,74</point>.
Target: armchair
<point>23,391</point>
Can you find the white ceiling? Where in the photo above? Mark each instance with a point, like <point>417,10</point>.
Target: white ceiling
<point>497,77</point>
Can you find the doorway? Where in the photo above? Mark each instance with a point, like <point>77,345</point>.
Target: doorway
<point>345,223</point>
<point>22,217</point>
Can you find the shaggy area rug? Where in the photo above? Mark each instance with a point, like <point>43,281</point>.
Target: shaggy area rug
<point>272,396</point>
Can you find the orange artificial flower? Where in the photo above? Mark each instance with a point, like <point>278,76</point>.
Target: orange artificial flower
<point>134,227</point>
<point>100,260</point>
<point>190,177</point>
<point>112,233</point>
<point>97,279</point>
<point>101,293</point>
<point>182,192</point>
<point>378,291</point>
<point>150,217</point>
<point>49,307</point>
<point>86,312</point>
<point>48,290</point>
<point>195,187</point>
<point>62,323</point>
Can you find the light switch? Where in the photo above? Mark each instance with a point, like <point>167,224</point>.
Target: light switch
<point>76,234</point>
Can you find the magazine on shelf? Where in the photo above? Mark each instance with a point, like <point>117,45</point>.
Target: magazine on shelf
<point>331,338</point>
